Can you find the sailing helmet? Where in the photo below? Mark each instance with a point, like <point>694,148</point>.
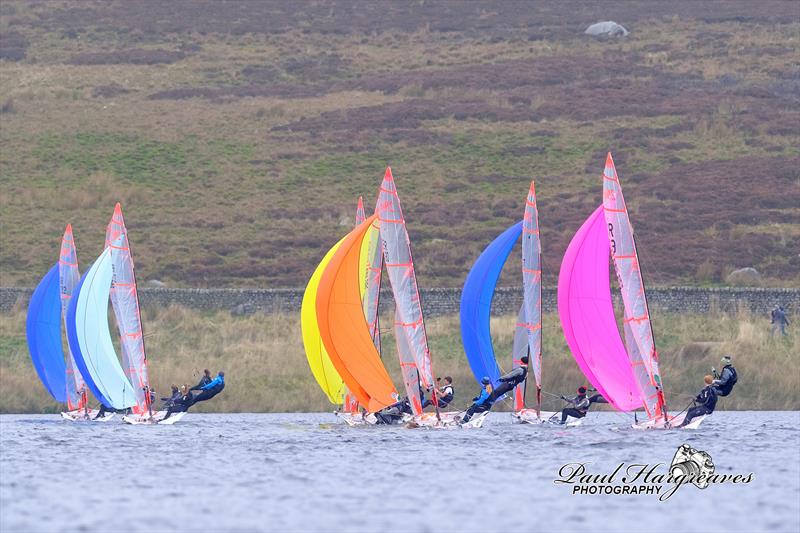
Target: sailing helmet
<point>581,390</point>
<point>485,380</point>
<point>524,360</point>
<point>221,373</point>
<point>726,360</point>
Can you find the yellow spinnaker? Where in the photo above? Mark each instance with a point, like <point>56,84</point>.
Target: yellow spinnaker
<point>368,246</point>
<point>318,359</point>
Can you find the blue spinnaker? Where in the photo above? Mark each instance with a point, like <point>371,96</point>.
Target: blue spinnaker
<point>476,304</point>
<point>43,330</point>
<point>90,339</point>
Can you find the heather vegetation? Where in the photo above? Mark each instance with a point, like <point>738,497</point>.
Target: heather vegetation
<point>266,369</point>
<point>238,136</point>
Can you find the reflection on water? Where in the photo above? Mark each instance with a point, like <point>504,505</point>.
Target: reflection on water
<point>306,472</point>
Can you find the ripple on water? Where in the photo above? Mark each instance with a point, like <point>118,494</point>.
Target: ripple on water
<point>290,472</point>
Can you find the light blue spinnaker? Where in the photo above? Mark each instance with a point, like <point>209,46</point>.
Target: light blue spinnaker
<point>43,330</point>
<point>476,304</point>
<point>90,339</point>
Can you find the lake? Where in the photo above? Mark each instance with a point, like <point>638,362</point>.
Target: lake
<point>307,472</point>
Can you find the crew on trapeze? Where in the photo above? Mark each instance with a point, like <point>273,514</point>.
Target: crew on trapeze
<point>704,403</point>
<point>724,381</point>
<point>482,402</point>
<point>579,405</point>
<point>512,379</point>
<point>211,389</point>
<point>180,403</point>
<point>205,380</point>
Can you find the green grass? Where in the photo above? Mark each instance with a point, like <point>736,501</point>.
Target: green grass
<point>266,369</point>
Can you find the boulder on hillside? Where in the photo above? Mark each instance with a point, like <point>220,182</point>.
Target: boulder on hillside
<point>243,309</point>
<point>744,276</point>
<point>155,283</point>
<point>608,27</point>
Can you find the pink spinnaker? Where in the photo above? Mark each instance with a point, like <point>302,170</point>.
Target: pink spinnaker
<point>587,315</point>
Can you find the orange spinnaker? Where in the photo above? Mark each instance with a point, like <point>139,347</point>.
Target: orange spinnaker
<point>344,330</point>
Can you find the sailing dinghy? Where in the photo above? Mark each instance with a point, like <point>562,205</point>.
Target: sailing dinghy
<point>46,314</point>
<point>625,373</point>
<point>476,302</point>
<point>409,324</point>
<point>125,302</point>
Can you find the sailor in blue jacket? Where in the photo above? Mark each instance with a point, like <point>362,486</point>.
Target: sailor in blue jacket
<point>209,390</point>
<point>482,402</point>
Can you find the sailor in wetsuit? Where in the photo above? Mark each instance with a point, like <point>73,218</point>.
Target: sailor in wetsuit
<point>205,380</point>
<point>580,406</point>
<point>482,402</point>
<point>184,401</point>
<point>393,413</point>
<point>176,395</point>
<point>512,379</point>
<point>727,378</point>
<point>705,402</point>
<point>212,388</point>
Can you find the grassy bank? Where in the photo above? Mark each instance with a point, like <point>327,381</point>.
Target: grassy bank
<point>266,369</point>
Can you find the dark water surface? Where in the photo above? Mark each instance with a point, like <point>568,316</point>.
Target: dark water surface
<point>306,472</point>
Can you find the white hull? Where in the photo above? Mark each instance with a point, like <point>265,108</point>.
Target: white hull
<point>528,416</point>
<point>157,418</point>
<point>673,423</point>
<point>85,416</point>
<point>449,420</point>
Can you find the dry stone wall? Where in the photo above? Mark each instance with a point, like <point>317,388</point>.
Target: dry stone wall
<point>445,301</point>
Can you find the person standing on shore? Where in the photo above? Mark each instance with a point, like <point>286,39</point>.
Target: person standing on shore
<point>779,320</point>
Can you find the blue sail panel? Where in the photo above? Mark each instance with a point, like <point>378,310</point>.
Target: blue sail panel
<point>90,339</point>
<point>43,331</point>
<point>476,304</point>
